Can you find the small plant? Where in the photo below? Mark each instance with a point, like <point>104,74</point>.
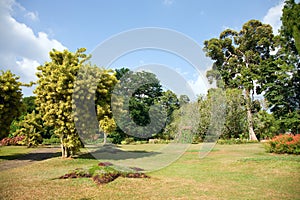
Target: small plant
<point>129,140</point>
<point>284,143</point>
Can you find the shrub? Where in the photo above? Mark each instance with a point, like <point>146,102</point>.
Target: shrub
<point>129,140</point>
<point>52,140</point>
<point>284,143</point>
<point>236,141</point>
<point>12,141</point>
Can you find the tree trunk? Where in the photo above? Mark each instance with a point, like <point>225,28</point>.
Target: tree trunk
<point>104,138</point>
<point>65,151</point>
<point>62,148</point>
<point>252,135</point>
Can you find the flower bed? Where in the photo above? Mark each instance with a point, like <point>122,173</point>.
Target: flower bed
<point>284,143</point>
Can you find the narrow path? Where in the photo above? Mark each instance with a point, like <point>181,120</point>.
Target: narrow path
<point>29,158</point>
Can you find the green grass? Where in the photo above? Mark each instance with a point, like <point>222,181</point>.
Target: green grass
<point>13,152</point>
<point>229,172</point>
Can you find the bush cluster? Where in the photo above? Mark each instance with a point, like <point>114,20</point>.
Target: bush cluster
<point>236,141</point>
<point>131,140</point>
<point>12,141</point>
<point>284,143</point>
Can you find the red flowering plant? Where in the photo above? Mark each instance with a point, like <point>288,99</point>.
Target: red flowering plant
<point>284,143</point>
<point>12,141</point>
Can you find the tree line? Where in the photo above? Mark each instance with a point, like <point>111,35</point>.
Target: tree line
<point>246,62</point>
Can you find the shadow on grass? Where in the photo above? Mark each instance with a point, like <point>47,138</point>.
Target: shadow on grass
<point>111,152</point>
<point>32,156</point>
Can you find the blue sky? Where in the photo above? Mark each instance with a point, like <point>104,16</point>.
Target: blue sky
<point>30,29</point>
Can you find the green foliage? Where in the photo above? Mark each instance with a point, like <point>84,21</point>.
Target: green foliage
<point>265,125</point>
<point>53,140</point>
<point>280,78</point>
<point>136,93</point>
<point>290,29</point>
<point>11,106</point>
<point>30,128</point>
<point>236,118</point>
<point>29,103</point>
<point>284,144</point>
<point>143,97</point>
<point>184,126</point>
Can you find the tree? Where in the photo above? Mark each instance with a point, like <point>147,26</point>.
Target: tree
<point>135,94</point>
<point>183,99</point>
<point>54,96</point>
<point>265,125</point>
<point>184,126</point>
<point>170,103</point>
<point>11,106</point>
<point>281,78</point>
<point>238,57</point>
<point>92,102</point>
<point>29,103</point>
<point>31,128</point>
<point>236,118</point>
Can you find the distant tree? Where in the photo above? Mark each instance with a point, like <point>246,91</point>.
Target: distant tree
<point>239,57</point>
<point>11,106</point>
<point>183,99</point>
<point>265,125</point>
<point>136,93</point>
<point>121,72</point>
<point>236,116</point>
<point>29,103</point>
<point>170,102</point>
<point>204,106</point>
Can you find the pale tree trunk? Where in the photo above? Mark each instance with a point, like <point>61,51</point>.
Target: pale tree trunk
<point>62,148</point>
<point>65,151</point>
<point>104,138</point>
<point>252,135</point>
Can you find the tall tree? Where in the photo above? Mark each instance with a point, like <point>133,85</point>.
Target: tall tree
<point>54,96</point>
<point>282,85</point>
<point>11,106</point>
<point>238,58</point>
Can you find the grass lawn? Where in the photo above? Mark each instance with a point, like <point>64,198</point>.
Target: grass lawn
<point>228,172</point>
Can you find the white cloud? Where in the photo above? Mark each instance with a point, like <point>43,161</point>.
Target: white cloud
<point>273,17</point>
<point>168,2</point>
<point>199,86</point>
<point>21,50</point>
<point>34,16</point>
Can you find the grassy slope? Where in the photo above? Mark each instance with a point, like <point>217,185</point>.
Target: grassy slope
<point>229,172</point>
